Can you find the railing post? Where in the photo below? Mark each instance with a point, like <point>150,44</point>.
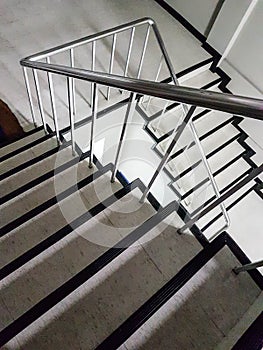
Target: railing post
<point>93,121</point>
<point>129,52</point>
<point>39,100</point>
<point>29,96</point>
<point>111,61</point>
<point>248,267</point>
<point>143,51</point>
<point>93,60</point>
<point>156,78</point>
<point>254,173</point>
<point>129,112</point>
<point>211,178</point>
<point>71,114</point>
<point>72,63</point>
<point>52,100</point>
<point>169,150</point>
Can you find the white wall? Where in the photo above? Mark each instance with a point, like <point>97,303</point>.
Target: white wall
<point>226,23</point>
<point>247,53</point>
<point>197,12</point>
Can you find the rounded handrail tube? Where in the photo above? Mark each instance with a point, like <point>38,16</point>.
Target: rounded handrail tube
<point>239,105</point>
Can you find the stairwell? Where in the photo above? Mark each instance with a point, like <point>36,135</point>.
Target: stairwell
<point>84,265</point>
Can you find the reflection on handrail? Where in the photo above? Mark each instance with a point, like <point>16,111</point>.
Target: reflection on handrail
<point>239,105</point>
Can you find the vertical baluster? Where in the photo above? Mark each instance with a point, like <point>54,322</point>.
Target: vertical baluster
<point>169,150</point>
<point>129,52</point>
<point>29,96</point>
<point>72,63</point>
<point>111,61</point>
<point>52,100</point>
<point>129,112</point>
<point>143,51</point>
<point>39,100</point>
<point>71,114</point>
<point>93,121</point>
<point>156,78</point>
<point>211,178</point>
<point>93,61</point>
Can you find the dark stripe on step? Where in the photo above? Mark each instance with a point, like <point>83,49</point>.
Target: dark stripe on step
<point>182,20</point>
<point>88,272</point>
<point>202,137</point>
<point>52,201</point>
<point>26,147</point>
<point>189,69</point>
<point>64,231</point>
<point>222,191</point>
<point>151,306</point>
<point>252,339</point>
<point>211,154</point>
<point>174,104</point>
<point>217,172</point>
<point>211,222</point>
<point>28,133</point>
<point>43,177</point>
<point>31,162</point>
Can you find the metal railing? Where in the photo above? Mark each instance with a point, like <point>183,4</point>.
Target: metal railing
<point>248,107</point>
<point>248,267</point>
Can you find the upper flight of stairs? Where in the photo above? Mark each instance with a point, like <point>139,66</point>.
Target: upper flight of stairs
<point>84,266</point>
<point>223,139</point>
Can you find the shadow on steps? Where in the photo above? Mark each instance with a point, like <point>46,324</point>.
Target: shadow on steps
<point>10,129</point>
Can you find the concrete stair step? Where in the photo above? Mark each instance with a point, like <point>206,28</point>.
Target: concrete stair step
<point>18,179</point>
<point>27,155</point>
<point>213,145</point>
<point>200,80</point>
<point>206,296</point>
<point>69,256</point>
<point>32,230</point>
<point>31,137</point>
<point>44,191</point>
<point>223,179</point>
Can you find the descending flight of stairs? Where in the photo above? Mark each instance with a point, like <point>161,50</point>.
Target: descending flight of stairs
<point>85,266</point>
<point>62,283</point>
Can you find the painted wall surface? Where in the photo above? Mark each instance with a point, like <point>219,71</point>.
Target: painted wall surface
<point>197,12</point>
<point>247,53</point>
<point>226,23</point>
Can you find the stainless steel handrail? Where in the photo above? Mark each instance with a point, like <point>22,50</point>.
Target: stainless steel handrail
<point>248,267</point>
<point>244,106</point>
<point>234,104</point>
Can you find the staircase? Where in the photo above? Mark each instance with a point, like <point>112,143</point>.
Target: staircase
<point>84,263</point>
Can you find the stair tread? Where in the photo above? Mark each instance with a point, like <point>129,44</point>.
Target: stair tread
<point>27,155</point>
<point>197,81</point>
<point>209,292</point>
<point>21,142</point>
<point>210,143</point>
<point>214,142</point>
<point>224,178</point>
<point>22,177</point>
<point>71,254</point>
<point>44,191</point>
<point>200,79</point>
<point>28,234</point>
<point>213,213</point>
